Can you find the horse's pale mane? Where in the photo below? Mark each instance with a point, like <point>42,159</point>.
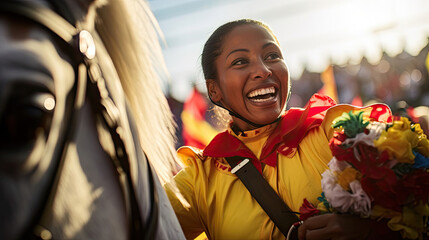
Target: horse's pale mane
<point>88,203</point>
<point>129,33</point>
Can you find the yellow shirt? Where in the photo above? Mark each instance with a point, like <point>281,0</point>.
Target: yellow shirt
<point>221,205</point>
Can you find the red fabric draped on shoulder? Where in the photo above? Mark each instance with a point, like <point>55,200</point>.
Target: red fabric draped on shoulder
<point>294,125</point>
<point>293,128</point>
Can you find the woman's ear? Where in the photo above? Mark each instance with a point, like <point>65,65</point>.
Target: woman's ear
<point>213,90</point>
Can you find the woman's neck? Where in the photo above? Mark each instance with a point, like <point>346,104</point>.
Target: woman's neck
<point>239,127</point>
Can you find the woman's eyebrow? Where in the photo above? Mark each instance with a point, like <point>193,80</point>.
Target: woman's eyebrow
<point>237,50</point>
<point>247,50</point>
<point>268,44</point>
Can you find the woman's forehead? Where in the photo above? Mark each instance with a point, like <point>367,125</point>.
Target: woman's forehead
<point>247,35</point>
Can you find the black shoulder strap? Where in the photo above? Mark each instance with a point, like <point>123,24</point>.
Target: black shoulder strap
<point>263,193</point>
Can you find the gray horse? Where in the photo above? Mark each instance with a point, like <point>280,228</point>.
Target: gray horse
<point>81,114</point>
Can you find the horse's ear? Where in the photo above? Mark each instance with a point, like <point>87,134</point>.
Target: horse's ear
<point>213,90</point>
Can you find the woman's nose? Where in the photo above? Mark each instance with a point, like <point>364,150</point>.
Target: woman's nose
<point>261,70</point>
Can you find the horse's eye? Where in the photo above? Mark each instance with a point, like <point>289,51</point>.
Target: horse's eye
<point>23,117</point>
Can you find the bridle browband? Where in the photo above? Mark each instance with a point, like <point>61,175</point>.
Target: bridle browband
<point>82,48</point>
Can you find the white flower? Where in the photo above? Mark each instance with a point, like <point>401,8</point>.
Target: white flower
<point>375,129</point>
<point>355,202</point>
<point>337,166</point>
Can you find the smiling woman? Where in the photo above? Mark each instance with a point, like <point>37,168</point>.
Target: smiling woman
<point>251,78</point>
<point>250,51</point>
<point>246,74</point>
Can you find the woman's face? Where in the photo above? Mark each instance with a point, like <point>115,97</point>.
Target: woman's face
<point>253,79</point>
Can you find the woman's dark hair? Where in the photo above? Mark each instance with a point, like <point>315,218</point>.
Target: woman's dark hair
<point>212,48</point>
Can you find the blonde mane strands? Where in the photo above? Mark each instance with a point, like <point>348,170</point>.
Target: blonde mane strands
<point>129,32</point>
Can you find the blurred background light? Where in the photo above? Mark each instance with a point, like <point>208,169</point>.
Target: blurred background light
<point>312,33</point>
<point>356,51</point>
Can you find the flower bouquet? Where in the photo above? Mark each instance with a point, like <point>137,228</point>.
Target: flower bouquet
<point>379,170</point>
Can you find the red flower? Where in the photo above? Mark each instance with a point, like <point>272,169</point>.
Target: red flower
<point>370,161</point>
<point>341,152</point>
<point>416,184</point>
<point>383,189</point>
<point>307,210</point>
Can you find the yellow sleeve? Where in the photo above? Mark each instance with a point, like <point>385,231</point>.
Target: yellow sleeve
<point>331,114</point>
<point>186,208</point>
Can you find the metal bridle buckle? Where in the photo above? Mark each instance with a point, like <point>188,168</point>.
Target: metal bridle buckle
<point>86,44</point>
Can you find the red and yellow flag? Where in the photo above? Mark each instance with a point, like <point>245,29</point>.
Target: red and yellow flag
<point>197,132</point>
<point>329,86</point>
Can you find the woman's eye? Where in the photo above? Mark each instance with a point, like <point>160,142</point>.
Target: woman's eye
<point>273,56</point>
<point>239,62</point>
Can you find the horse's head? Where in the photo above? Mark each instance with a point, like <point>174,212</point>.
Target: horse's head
<point>40,131</point>
<point>32,112</point>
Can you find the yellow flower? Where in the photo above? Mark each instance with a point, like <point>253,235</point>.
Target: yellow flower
<point>381,212</point>
<point>399,140</point>
<point>423,143</point>
<point>409,222</point>
<point>348,175</point>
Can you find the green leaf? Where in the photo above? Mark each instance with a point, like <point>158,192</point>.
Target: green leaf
<point>352,123</point>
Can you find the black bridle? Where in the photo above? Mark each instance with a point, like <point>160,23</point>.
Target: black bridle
<point>82,50</point>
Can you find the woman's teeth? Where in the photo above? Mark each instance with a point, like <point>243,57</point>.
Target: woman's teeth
<point>261,95</point>
<point>261,91</point>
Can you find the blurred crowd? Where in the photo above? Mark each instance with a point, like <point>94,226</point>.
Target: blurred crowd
<point>393,79</point>
<point>399,78</point>
<point>400,81</point>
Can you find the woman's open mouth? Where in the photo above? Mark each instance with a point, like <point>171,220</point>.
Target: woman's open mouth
<point>262,95</point>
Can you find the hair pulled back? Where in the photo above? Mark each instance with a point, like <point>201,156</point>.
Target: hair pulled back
<point>213,47</point>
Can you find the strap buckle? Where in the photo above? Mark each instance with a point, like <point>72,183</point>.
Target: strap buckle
<point>240,165</point>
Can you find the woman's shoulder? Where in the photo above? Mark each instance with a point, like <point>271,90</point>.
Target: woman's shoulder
<point>194,158</point>
<point>190,155</point>
<point>317,116</point>
<point>379,112</point>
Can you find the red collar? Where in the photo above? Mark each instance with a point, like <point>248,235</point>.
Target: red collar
<point>293,127</point>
